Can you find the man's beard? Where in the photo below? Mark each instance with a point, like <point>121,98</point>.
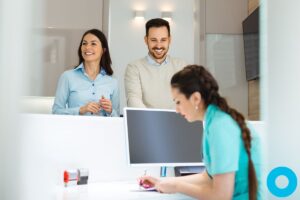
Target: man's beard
<point>154,54</point>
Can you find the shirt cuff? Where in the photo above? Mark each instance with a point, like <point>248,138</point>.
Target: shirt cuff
<point>75,111</point>
<point>112,114</point>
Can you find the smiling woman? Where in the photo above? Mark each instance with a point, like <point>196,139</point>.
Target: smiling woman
<point>89,89</point>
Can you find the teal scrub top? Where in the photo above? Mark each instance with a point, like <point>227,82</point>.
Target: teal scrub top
<point>224,152</point>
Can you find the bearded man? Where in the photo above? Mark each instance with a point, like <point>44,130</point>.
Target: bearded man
<point>147,80</point>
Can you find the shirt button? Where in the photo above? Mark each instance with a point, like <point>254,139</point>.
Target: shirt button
<point>93,84</point>
<point>93,93</point>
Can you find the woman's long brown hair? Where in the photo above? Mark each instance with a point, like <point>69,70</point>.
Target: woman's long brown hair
<point>194,78</point>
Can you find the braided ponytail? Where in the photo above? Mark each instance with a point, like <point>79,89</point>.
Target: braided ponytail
<point>195,78</point>
<point>246,136</point>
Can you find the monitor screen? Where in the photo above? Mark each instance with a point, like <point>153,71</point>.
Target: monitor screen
<point>162,137</point>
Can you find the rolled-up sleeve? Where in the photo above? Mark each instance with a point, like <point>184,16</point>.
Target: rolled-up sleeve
<point>225,146</point>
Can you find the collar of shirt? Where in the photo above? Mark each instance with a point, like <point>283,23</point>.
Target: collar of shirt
<point>81,67</point>
<point>209,114</point>
<point>151,61</point>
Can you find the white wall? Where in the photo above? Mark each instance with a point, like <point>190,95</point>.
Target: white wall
<point>225,17</point>
<point>280,90</point>
<point>15,54</point>
<point>225,50</point>
<point>73,14</point>
<point>126,35</point>
<point>58,28</point>
<point>225,60</point>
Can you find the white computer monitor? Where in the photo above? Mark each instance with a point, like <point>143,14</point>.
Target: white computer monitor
<point>162,137</point>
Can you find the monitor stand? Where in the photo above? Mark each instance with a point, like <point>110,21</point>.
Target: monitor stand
<point>188,170</point>
<point>163,171</point>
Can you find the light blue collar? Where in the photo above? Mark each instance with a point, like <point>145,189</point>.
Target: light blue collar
<point>151,60</point>
<point>81,67</point>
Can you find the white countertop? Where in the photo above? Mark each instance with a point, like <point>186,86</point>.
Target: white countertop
<point>112,191</point>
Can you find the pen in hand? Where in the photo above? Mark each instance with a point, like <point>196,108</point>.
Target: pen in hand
<point>145,184</point>
<point>141,182</point>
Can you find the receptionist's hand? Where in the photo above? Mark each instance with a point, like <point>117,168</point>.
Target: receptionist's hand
<point>148,181</point>
<point>106,105</point>
<point>92,107</point>
<point>167,185</point>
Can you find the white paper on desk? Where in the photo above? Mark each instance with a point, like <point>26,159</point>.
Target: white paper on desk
<point>147,189</point>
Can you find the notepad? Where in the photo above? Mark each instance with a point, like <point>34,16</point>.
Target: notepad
<point>148,189</point>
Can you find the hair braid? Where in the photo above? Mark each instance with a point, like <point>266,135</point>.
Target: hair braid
<point>246,137</point>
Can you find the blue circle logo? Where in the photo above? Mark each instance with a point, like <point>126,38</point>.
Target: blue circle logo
<point>292,181</point>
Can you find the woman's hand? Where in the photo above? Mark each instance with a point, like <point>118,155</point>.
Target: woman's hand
<point>148,181</point>
<point>92,107</point>
<point>106,105</point>
<point>167,185</point>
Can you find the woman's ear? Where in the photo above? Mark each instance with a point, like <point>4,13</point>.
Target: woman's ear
<point>196,98</point>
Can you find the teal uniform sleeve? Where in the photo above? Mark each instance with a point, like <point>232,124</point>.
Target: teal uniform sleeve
<point>224,146</point>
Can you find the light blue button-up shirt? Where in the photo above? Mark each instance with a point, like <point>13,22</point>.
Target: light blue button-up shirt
<point>75,89</point>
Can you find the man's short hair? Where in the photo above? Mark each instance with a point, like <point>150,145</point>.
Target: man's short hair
<point>157,22</point>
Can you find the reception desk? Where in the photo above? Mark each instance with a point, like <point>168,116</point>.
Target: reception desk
<point>113,191</point>
<point>51,144</point>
